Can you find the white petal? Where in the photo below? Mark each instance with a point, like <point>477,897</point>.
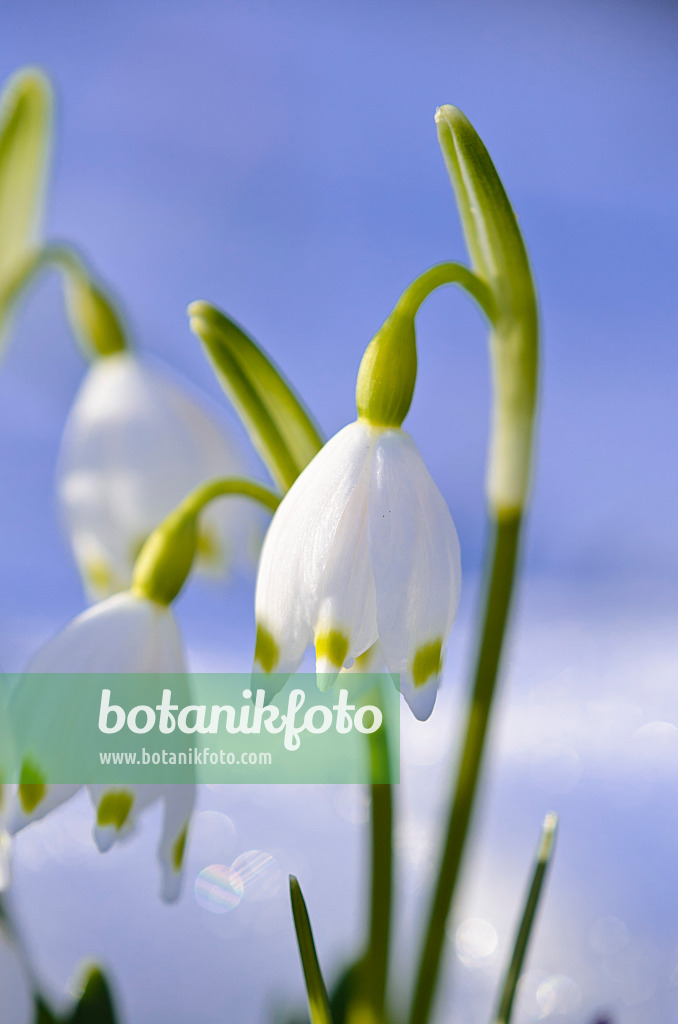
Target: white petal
<point>416,565</point>
<point>347,610</point>
<point>18,815</point>
<point>117,810</point>
<point>124,633</point>
<point>5,860</point>
<point>179,801</point>
<point>299,543</point>
<point>134,445</point>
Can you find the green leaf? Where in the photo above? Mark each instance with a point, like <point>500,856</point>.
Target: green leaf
<point>95,1005</point>
<point>318,1002</point>
<point>490,225</point>
<point>499,258</point>
<point>279,425</point>
<point>544,853</point>
<point>43,1014</point>
<point>25,130</point>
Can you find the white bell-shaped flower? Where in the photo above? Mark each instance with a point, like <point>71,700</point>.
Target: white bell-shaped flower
<point>134,445</point>
<point>126,633</point>
<point>362,548</point>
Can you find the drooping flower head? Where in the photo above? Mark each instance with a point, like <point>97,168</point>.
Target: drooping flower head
<point>134,445</point>
<point>133,632</point>
<point>125,633</point>
<point>363,546</point>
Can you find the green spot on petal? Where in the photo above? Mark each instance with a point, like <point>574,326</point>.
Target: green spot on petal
<point>98,575</point>
<point>363,661</point>
<point>178,849</point>
<point>32,786</point>
<point>332,646</point>
<point>208,546</point>
<point>427,662</point>
<point>114,809</point>
<point>266,651</point>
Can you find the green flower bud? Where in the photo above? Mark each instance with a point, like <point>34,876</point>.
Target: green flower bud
<point>93,317</point>
<point>388,372</point>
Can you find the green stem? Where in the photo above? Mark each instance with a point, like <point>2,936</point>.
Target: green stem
<point>375,964</point>
<point>59,256</point>
<point>522,938</point>
<point>195,502</point>
<point>447,273</point>
<point>97,324</point>
<point>167,556</point>
<point>499,586</point>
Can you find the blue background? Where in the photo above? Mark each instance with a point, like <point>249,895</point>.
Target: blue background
<point>281,161</point>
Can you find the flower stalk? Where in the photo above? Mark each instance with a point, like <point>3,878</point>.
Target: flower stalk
<point>376,962</point>
<point>167,556</point>
<point>500,260</point>
<point>97,324</point>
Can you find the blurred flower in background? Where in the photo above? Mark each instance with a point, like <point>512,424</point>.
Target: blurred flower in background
<point>135,444</point>
<point>126,633</point>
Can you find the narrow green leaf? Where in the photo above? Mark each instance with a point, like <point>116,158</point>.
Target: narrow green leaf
<point>318,1002</point>
<point>490,225</point>
<point>544,853</point>
<point>95,1005</point>
<point>25,130</point>
<point>499,258</point>
<point>43,1014</point>
<point>279,425</point>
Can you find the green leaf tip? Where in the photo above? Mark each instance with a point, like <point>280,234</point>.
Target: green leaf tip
<point>318,1001</point>
<point>95,1005</point>
<point>499,258</point>
<point>25,144</point>
<point>277,421</point>
<point>522,938</point>
<point>491,228</point>
<point>25,140</point>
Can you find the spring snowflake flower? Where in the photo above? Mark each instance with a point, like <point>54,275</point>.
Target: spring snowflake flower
<point>126,633</point>
<point>135,443</point>
<point>362,548</point>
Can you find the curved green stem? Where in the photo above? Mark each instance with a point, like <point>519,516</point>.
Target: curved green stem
<point>203,494</point>
<point>388,369</point>
<point>499,586</point>
<point>447,273</point>
<point>167,556</point>
<point>98,326</point>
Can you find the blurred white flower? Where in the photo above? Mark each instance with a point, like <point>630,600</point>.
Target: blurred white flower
<point>362,548</point>
<point>126,633</point>
<point>134,445</point>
